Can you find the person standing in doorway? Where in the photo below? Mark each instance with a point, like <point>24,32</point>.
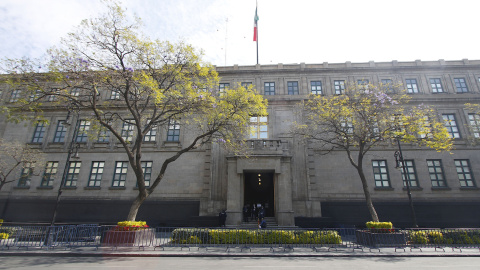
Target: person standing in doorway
<point>222,217</point>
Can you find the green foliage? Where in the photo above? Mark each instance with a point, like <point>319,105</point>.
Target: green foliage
<point>234,236</point>
<point>379,225</point>
<point>435,237</point>
<point>8,230</point>
<point>318,237</point>
<point>418,237</point>
<point>182,236</point>
<point>445,237</point>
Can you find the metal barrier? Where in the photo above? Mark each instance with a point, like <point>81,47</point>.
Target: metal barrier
<point>443,238</point>
<point>91,235</point>
<point>253,238</point>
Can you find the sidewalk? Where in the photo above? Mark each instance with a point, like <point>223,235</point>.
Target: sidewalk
<point>237,252</point>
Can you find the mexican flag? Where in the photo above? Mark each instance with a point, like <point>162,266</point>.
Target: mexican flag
<point>255,28</point>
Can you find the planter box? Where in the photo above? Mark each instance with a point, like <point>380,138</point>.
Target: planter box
<point>374,239</point>
<point>143,237</point>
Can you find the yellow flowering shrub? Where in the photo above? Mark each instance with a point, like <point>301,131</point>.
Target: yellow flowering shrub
<point>131,225</point>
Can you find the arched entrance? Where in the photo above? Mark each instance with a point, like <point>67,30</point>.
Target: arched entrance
<point>260,189</point>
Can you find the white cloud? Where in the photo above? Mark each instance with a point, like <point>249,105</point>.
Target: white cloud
<point>308,31</point>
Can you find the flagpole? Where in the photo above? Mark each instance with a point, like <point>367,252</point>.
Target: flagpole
<point>257,42</point>
<point>255,25</point>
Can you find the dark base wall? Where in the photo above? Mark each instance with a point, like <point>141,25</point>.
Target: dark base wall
<point>155,213</point>
<point>429,214</point>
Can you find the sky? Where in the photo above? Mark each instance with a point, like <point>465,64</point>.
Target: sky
<point>309,31</point>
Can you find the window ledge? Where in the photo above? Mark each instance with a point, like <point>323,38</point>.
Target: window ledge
<point>469,188</point>
<point>441,188</point>
<point>136,188</point>
<point>100,144</point>
<point>171,144</point>
<point>116,188</point>
<point>22,187</point>
<point>91,188</point>
<point>414,188</point>
<point>69,188</point>
<point>45,187</point>
<point>383,188</point>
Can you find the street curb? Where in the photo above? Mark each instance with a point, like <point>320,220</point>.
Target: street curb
<point>235,255</point>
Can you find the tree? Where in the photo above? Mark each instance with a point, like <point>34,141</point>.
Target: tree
<point>15,155</point>
<point>364,117</point>
<point>152,83</point>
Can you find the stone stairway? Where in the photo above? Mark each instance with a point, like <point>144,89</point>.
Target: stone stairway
<point>253,224</point>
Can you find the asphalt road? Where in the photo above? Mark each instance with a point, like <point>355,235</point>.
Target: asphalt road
<point>229,263</point>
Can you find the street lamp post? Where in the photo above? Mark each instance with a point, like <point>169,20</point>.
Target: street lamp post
<point>400,163</point>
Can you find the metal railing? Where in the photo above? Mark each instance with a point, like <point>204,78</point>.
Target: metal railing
<point>91,235</point>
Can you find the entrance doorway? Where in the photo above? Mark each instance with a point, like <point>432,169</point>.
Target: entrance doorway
<point>259,189</point>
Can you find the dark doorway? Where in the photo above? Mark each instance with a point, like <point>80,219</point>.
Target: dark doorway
<point>259,189</point>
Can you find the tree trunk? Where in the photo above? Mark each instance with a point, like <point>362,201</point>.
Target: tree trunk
<point>132,215</point>
<point>371,208</point>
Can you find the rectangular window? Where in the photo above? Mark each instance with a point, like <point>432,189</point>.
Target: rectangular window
<point>49,174</point>
<point>39,132</point>
<point>96,173</point>
<point>60,132</point>
<point>72,173</point>
<point>269,88</point>
<point>292,88</point>
<point>120,174</point>
<point>26,174</point>
<point>380,173</point>
<point>103,134</point>
<point>222,87</point>
<point>15,95</point>
<point>127,130</point>
<point>246,84</point>
<point>173,132</point>
<point>436,84</point>
<point>316,87</point>
<point>259,127</point>
<point>412,86</point>
<point>363,82</point>
<point>75,92</point>
<point>147,172</point>
<point>387,85</point>
<point>425,128</point>
<point>411,174</point>
<point>474,120</point>
<point>464,173</point>
<point>114,95</point>
<point>339,87</point>
<point>435,170</point>
<point>36,95</point>
<point>53,97</point>
<point>347,125</point>
<point>151,135</point>
<point>451,125</point>
<point>83,128</point>
<point>461,85</point>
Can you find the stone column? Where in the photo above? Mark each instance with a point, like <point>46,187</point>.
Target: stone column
<point>284,213</point>
<point>234,193</point>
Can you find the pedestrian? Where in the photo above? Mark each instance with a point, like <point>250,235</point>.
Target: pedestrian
<point>263,224</point>
<point>245,213</point>
<point>222,217</point>
<point>253,212</point>
<point>261,214</point>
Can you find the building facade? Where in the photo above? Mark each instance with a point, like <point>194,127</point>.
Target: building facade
<point>294,182</point>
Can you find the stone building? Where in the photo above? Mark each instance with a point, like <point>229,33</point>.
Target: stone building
<point>296,184</point>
